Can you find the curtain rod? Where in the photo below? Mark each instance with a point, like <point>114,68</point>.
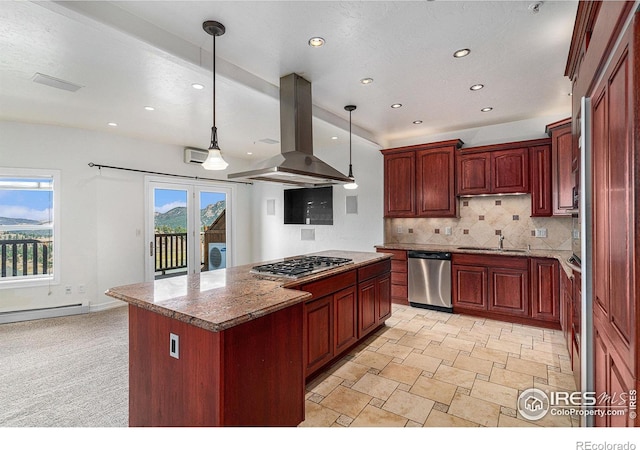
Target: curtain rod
<point>100,166</point>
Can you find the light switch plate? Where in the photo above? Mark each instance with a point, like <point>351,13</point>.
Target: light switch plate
<point>541,232</point>
<point>174,346</point>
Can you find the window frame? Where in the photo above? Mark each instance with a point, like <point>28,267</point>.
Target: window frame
<point>51,279</point>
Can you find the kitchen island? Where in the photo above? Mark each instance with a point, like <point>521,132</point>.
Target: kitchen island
<point>227,347</point>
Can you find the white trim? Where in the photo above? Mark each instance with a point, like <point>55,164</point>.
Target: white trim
<point>54,279</point>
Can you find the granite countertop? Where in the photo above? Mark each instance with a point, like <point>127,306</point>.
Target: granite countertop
<point>221,299</point>
<point>561,255</point>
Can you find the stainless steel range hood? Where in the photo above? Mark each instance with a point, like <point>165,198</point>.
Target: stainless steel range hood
<point>295,164</point>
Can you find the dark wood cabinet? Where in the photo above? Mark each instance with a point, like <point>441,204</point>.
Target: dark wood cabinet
<point>540,180</point>
<point>400,184</point>
<point>374,296</point>
<point>435,182</point>
<point>604,62</point>
<point>545,289</point>
<point>474,174</point>
<point>419,180</point>
<point>563,179</point>
<point>505,169</point>
<point>344,308</point>
<point>510,171</point>
<point>469,287</point>
<point>511,288</point>
<point>399,279</point>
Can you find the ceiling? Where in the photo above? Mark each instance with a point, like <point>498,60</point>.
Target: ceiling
<point>131,54</point>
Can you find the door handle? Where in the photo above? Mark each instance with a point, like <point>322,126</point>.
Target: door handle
<point>151,248</point>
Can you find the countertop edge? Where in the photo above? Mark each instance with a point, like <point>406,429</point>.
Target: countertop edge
<point>561,255</point>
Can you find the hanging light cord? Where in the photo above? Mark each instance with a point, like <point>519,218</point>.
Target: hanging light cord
<point>350,167</point>
<point>214,130</point>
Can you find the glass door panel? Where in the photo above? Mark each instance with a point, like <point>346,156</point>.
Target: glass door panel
<point>212,220</point>
<point>170,232</point>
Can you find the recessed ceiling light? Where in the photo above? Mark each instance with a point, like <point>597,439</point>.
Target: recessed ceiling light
<point>366,81</point>
<point>396,105</point>
<point>249,153</point>
<point>461,53</point>
<point>476,87</point>
<point>487,109</point>
<point>149,108</point>
<point>334,137</point>
<point>417,122</point>
<point>197,86</point>
<point>112,124</point>
<point>316,41</point>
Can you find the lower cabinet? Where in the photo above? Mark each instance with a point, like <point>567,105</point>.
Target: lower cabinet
<point>344,308</point>
<point>374,297</point>
<point>505,287</point>
<point>399,278</point>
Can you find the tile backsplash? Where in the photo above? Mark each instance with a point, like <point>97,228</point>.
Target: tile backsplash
<point>482,220</point>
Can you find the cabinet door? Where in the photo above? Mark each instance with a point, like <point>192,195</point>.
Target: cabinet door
<point>319,333</point>
<point>345,319</point>
<point>367,310</point>
<point>545,304</point>
<point>510,171</point>
<point>562,179</point>
<point>399,184</point>
<point>435,194</point>
<point>469,287</point>
<point>541,185</point>
<point>474,172</point>
<point>383,286</point>
<point>508,291</point>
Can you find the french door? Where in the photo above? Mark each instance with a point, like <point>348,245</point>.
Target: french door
<point>186,228</point>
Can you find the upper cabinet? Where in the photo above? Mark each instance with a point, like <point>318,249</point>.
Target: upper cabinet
<point>562,177</point>
<point>496,169</point>
<point>419,180</point>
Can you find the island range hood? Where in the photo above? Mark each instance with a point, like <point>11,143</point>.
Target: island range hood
<point>295,164</point>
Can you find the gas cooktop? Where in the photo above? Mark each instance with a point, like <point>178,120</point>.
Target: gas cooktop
<point>299,267</point>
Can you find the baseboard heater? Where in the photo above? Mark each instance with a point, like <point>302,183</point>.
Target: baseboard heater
<point>43,313</point>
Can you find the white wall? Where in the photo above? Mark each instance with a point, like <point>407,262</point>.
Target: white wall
<point>272,239</point>
<point>102,241</point>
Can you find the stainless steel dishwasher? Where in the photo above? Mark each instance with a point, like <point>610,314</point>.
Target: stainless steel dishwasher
<point>430,280</point>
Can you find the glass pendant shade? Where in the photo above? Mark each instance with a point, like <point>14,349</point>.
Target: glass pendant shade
<point>215,161</point>
<point>353,184</point>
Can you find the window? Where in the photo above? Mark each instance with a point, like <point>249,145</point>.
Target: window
<point>29,227</point>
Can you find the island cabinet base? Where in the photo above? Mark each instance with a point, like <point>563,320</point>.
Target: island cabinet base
<point>248,375</point>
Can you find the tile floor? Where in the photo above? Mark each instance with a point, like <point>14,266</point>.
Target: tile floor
<point>432,369</point>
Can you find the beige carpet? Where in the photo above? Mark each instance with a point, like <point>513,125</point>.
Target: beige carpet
<point>65,372</point>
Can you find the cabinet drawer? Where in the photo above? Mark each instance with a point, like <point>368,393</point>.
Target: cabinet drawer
<point>399,278</point>
<point>510,262</point>
<point>330,285</point>
<point>399,266</point>
<point>373,270</point>
<point>397,255</point>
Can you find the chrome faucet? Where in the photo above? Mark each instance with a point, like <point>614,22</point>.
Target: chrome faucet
<point>500,242</point>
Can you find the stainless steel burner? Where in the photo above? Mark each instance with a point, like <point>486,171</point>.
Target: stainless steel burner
<point>298,267</point>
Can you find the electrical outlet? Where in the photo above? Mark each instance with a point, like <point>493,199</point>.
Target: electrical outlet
<point>410,230</point>
<point>174,346</point>
<point>68,290</point>
<point>81,289</point>
<point>447,231</point>
<point>399,230</point>
<point>541,232</point>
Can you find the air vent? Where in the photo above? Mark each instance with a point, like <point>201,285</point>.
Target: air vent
<point>195,155</point>
<point>269,141</point>
<point>55,82</point>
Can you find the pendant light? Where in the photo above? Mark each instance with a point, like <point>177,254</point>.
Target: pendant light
<point>214,160</point>
<point>353,184</point>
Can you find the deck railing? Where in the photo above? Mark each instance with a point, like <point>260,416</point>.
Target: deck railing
<point>171,251</point>
<point>22,257</point>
